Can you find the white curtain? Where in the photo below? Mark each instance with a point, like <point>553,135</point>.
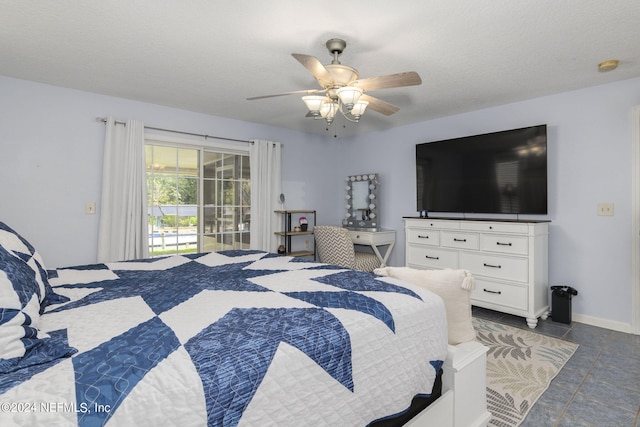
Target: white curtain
<point>123,231</point>
<point>265,163</point>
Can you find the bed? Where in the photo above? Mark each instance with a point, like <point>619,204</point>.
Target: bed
<point>221,339</point>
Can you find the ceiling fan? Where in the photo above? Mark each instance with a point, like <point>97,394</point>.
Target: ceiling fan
<point>342,89</point>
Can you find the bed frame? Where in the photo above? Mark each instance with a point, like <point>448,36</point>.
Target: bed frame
<point>464,396</point>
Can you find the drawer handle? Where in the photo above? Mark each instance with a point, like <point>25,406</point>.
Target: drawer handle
<point>492,292</point>
<point>459,240</point>
<point>432,257</point>
<point>503,244</point>
<point>422,237</point>
<point>491,265</point>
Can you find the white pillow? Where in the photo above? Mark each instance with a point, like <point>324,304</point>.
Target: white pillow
<point>453,286</point>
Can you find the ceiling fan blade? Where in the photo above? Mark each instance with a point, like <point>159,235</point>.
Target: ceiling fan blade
<point>297,92</point>
<point>314,65</point>
<point>379,105</point>
<point>409,78</point>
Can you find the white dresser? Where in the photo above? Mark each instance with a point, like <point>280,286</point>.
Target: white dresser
<point>508,259</point>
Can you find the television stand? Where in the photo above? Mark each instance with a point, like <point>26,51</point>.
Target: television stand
<point>509,259</point>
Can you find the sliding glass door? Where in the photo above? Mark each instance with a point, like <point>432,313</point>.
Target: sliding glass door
<point>198,199</point>
<point>227,199</point>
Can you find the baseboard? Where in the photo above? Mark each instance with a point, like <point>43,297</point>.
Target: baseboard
<point>602,323</point>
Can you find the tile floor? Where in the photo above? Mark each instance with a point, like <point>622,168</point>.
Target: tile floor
<point>598,387</point>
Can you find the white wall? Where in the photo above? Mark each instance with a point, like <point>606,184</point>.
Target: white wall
<point>589,155</point>
<point>51,162</point>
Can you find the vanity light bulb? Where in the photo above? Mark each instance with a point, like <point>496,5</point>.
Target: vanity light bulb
<point>347,197</point>
<point>359,178</point>
<point>353,178</point>
<point>348,206</point>
<point>372,215</point>
<point>346,179</point>
<point>372,176</point>
<point>372,187</point>
<point>347,188</point>
<point>372,196</point>
<point>372,206</point>
<point>347,215</point>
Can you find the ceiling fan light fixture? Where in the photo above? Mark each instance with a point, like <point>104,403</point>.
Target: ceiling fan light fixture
<point>314,103</point>
<point>349,95</point>
<point>358,109</point>
<point>328,111</point>
<point>343,89</point>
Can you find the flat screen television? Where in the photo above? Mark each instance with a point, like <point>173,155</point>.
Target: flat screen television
<point>494,173</point>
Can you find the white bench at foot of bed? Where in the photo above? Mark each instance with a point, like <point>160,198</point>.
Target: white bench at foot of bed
<point>464,390</point>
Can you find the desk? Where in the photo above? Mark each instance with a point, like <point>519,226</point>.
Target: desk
<point>375,239</point>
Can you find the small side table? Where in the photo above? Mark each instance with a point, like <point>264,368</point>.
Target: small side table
<point>375,239</point>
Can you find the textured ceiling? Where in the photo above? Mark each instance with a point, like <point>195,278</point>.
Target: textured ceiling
<point>209,56</point>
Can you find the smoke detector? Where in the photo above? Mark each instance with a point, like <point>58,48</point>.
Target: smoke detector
<point>609,65</point>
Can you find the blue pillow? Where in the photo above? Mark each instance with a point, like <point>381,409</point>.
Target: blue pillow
<point>15,243</point>
<point>22,344</point>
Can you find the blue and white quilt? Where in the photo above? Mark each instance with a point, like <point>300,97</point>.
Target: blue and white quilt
<point>231,338</point>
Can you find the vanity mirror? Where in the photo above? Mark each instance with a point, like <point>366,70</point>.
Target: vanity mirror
<point>362,202</point>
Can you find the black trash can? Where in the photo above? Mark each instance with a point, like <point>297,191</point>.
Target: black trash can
<point>561,303</point>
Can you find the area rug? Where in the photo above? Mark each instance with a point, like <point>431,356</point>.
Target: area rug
<point>520,367</point>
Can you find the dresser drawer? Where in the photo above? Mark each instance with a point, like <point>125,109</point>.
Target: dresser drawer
<point>425,223</point>
<point>497,227</point>
<point>425,256</point>
<point>423,237</point>
<point>458,240</point>
<point>506,244</point>
<point>500,293</point>
<point>506,268</point>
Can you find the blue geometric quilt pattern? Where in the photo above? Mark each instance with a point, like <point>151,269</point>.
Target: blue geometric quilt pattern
<point>231,354</point>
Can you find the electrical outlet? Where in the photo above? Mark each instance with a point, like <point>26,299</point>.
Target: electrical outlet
<point>306,244</point>
<point>90,208</point>
<point>605,209</point>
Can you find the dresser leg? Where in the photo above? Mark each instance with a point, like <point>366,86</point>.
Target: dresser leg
<point>532,322</point>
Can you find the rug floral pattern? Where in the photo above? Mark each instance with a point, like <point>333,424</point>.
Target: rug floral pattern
<point>520,367</point>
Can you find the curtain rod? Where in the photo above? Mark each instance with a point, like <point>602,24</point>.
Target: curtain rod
<point>104,120</point>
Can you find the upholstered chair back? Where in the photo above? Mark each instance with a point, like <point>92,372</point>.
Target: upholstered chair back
<point>334,246</point>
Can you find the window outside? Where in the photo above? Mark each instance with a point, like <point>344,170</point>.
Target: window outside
<point>178,179</point>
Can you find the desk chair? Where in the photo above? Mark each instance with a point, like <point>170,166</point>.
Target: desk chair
<point>334,246</point>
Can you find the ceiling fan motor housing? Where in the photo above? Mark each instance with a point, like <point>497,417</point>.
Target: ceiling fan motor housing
<point>341,75</point>
<point>336,46</point>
